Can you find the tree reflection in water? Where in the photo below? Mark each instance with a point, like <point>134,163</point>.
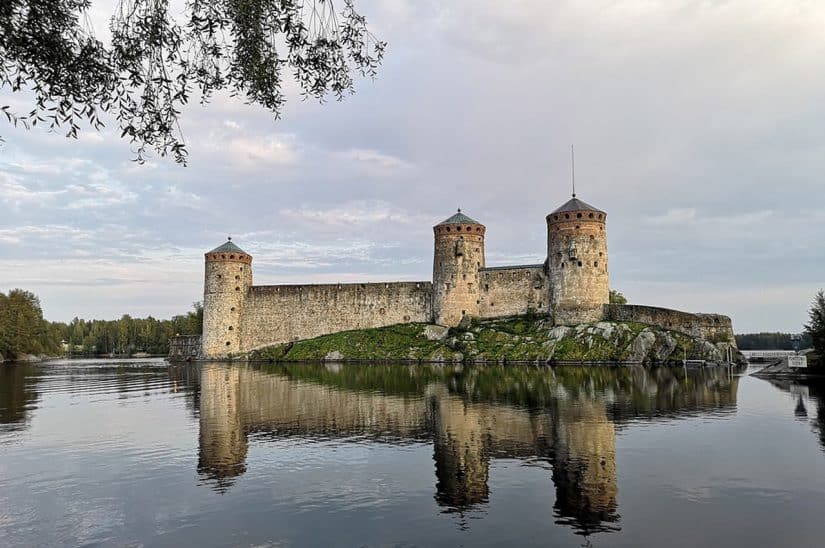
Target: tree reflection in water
<point>18,394</point>
<point>812,390</point>
<point>564,417</point>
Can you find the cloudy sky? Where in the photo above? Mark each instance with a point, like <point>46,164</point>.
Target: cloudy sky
<point>699,127</point>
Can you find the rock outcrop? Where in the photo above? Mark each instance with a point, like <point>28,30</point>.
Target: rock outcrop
<point>517,339</point>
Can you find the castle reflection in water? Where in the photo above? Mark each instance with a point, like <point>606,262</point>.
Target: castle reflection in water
<point>566,417</point>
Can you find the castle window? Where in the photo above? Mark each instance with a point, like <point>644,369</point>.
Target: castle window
<point>592,237</point>
<point>486,287</point>
<point>600,216</point>
<point>595,263</point>
<point>600,253</point>
<point>557,217</point>
<point>241,269</point>
<point>228,343</point>
<point>231,256</point>
<point>478,229</point>
<point>470,286</point>
<point>562,265</point>
<point>578,215</point>
<point>463,276</point>
<point>566,215</point>
<point>237,277</point>
<point>447,286</point>
<point>406,318</point>
<point>382,311</point>
<point>447,229</point>
<point>577,227</point>
<point>237,288</point>
<point>463,312</point>
<point>478,302</point>
<point>223,256</point>
<point>219,276</point>
<point>232,309</point>
<point>591,215</point>
<point>231,328</point>
<point>580,263</point>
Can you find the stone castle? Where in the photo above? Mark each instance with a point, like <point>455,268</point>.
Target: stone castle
<point>571,287</point>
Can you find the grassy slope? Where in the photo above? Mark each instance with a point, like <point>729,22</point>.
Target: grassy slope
<point>511,339</point>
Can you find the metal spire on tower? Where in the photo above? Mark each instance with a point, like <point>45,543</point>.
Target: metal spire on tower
<point>573,168</point>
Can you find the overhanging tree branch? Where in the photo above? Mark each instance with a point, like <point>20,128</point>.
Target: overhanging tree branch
<point>155,62</point>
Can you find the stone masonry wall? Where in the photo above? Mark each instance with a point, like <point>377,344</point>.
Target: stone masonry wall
<point>282,313</point>
<point>513,290</point>
<point>184,347</point>
<point>711,327</point>
<point>577,265</point>
<point>226,283</point>
<point>458,256</point>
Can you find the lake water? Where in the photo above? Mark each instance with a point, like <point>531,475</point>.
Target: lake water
<point>135,453</point>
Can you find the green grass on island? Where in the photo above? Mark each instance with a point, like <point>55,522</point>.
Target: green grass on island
<point>516,339</point>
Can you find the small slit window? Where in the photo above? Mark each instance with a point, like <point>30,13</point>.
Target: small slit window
<point>580,263</point>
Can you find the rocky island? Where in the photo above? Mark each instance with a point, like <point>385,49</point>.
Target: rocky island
<point>554,312</point>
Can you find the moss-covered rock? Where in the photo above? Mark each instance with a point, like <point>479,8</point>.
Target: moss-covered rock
<point>517,339</point>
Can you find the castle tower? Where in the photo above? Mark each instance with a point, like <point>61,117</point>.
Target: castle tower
<point>577,263</point>
<point>227,281</point>
<point>459,254</point>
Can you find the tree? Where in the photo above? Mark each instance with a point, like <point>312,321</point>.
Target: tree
<point>616,297</point>
<point>816,327</point>
<point>156,61</point>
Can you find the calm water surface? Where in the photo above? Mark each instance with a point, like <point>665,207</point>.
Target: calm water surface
<point>135,453</point>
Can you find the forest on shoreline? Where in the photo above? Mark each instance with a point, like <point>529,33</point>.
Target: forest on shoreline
<point>24,331</point>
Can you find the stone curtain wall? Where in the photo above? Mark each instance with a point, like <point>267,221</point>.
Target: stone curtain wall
<point>711,327</point>
<point>184,347</point>
<point>283,313</point>
<point>513,290</point>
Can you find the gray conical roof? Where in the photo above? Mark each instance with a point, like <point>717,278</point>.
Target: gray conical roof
<point>228,247</point>
<point>458,218</point>
<point>574,204</point>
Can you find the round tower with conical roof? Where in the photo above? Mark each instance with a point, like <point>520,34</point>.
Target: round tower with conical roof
<point>227,279</point>
<point>459,254</point>
<point>577,263</point>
